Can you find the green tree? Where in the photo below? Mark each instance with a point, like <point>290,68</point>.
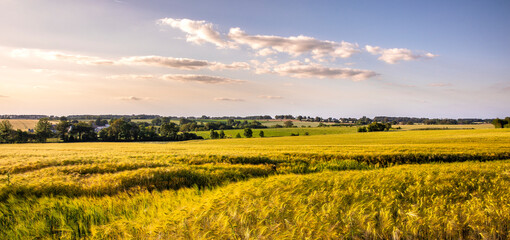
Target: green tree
<point>6,131</point>
<point>261,133</point>
<point>169,130</point>
<point>238,135</point>
<point>222,134</point>
<point>248,132</point>
<point>288,124</point>
<point>62,129</point>
<point>498,123</point>
<point>214,134</point>
<point>43,129</point>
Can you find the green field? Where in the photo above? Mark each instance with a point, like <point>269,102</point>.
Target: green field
<point>281,132</point>
<point>398,184</point>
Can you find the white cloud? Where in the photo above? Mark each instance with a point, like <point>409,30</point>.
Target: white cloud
<point>266,52</point>
<point>198,32</point>
<point>298,69</point>
<point>180,63</point>
<point>170,62</point>
<point>295,45</point>
<point>200,78</point>
<point>132,98</point>
<point>270,97</point>
<point>132,76</point>
<point>228,99</point>
<point>394,55</point>
<point>54,55</point>
<point>232,66</point>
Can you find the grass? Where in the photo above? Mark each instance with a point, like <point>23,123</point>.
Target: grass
<point>281,132</point>
<point>344,185</point>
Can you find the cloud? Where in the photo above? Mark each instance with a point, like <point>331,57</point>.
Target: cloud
<point>54,55</point>
<point>181,63</point>
<point>132,76</point>
<point>298,69</point>
<point>3,96</point>
<point>440,85</point>
<point>270,97</point>
<point>294,45</point>
<point>170,62</point>
<point>228,99</point>
<point>198,32</point>
<point>132,98</point>
<point>200,78</point>
<point>394,55</point>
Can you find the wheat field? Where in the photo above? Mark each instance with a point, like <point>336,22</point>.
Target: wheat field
<point>380,185</point>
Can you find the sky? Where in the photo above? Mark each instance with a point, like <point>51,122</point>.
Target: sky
<point>436,59</point>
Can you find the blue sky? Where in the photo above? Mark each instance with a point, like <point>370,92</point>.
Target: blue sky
<point>188,58</point>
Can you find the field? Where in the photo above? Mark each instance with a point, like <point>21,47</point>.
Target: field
<point>379,185</point>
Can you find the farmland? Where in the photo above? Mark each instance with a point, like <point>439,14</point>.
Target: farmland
<point>403,184</point>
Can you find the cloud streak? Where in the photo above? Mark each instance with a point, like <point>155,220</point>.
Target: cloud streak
<point>224,99</point>
<point>270,97</point>
<point>159,61</point>
<point>394,55</point>
<point>59,56</point>
<point>200,79</point>
<point>298,69</point>
<point>132,98</point>
<point>294,45</point>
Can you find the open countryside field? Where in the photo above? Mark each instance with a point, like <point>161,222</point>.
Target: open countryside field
<point>338,185</point>
<point>280,132</point>
<point>23,124</point>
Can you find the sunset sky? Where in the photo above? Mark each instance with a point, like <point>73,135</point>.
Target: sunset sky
<point>445,59</point>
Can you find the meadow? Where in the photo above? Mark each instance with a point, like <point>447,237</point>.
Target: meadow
<point>378,185</point>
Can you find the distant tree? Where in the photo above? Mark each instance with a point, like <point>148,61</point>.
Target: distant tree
<point>261,134</point>
<point>63,129</point>
<point>43,129</point>
<point>169,130</point>
<point>222,134</point>
<point>6,131</point>
<point>238,135</point>
<point>248,132</point>
<point>376,126</point>
<point>362,129</point>
<point>214,134</point>
<point>156,122</point>
<point>100,122</point>
<point>288,124</point>
<point>498,123</point>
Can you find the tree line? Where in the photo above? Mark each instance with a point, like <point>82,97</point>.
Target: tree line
<point>501,123</point>
<point>99,130</point>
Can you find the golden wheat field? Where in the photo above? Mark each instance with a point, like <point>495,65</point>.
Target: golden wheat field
<point>449,184</point>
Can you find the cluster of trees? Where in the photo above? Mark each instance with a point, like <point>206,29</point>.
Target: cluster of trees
<point>248,133</point>
<point>187,125</point>
<point>42,131</point>
<point>501,123</point>
<point>375,127</point>
<point>99,130</point>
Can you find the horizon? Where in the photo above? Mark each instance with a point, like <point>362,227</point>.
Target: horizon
<point>328,59</point>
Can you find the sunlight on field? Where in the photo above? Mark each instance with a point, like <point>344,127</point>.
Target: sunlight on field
<point>349,186</point>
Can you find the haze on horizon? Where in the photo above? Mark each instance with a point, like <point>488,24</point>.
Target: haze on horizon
<point>238,58</point>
